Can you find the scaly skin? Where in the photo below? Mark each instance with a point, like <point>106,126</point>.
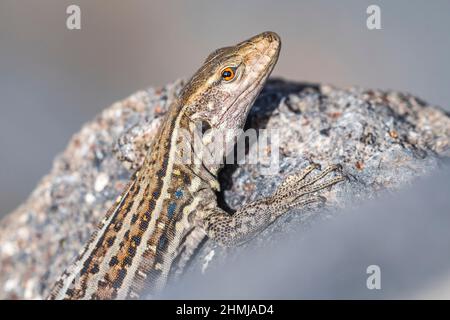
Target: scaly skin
<point>169,206</point>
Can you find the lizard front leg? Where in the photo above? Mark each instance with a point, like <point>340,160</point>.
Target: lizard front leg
<point>295,191</point>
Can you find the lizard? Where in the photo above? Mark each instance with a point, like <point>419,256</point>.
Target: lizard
<point>169,207</point>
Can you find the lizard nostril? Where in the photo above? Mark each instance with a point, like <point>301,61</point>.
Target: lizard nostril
<point>271,36</point>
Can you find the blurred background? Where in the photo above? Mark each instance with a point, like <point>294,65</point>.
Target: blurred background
<point>52,79</point>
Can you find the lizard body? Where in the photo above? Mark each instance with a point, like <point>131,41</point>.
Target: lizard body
<point>169,206</point>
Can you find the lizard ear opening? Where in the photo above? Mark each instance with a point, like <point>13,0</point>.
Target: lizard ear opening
<point>205,126</point>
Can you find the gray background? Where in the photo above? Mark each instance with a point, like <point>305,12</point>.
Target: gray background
<point>52,80</point>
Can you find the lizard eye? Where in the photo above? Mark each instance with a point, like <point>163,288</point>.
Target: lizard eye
<point>228,73</point>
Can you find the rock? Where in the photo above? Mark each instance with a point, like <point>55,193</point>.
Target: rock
<point>101,182</point>
<point>384,140</point>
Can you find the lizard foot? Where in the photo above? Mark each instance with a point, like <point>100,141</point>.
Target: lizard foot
<point>299,189</point>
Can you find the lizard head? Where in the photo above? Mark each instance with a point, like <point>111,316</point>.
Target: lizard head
<point>222,91</point>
